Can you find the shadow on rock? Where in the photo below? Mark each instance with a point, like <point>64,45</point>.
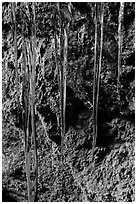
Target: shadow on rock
<point>7,197</point>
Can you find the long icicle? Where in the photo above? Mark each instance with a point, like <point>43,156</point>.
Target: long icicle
<point>94,82</point>
<point>99,68</point>
<point>65,64</point>
<point>61,74</point>
<point>33,79</point>
<point>15,56</point>
<point>25,114</point>
<point>57,72</point>
<point>121,16</point>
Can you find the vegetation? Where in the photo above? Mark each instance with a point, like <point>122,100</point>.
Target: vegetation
<point>68,101</point>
